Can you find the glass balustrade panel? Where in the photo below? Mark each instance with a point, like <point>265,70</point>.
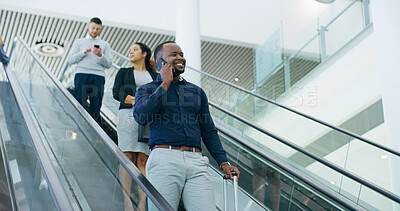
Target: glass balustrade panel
<point>344,28</point>
<point>27,182</point>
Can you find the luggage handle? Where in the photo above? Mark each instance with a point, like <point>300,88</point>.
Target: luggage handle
<point>235,191</point>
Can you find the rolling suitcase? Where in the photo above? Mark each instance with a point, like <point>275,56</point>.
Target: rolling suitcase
<point>235,191</point>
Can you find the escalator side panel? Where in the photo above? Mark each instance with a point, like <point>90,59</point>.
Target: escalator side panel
<point>85,159</point>
<point>25,171</point>
<point>5,198</point>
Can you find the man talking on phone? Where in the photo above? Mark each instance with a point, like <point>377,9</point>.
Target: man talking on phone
<point>91,56</point>
<point>179,118</point>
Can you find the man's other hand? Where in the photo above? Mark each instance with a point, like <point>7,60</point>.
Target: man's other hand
<point>88,49</point>
<point>227,169</point>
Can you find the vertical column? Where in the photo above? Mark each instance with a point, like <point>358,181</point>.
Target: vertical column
<point>367,15</point>
<point>322,43</point>
<point>386,22</point>
<point>286,68</point>
<point>188,36</point>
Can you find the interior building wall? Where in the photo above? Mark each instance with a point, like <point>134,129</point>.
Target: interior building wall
<point>334,92</point>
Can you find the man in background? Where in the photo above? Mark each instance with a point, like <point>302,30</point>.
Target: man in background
<point>91,56</point>
<point>3,57</point>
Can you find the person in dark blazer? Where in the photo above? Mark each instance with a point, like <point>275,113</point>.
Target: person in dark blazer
<point>127,81</point>
<point>3,57</point>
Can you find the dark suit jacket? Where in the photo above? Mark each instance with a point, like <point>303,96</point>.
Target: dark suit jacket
<point>124,85</point>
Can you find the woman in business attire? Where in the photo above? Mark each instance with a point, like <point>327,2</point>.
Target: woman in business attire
<point>126,83</point>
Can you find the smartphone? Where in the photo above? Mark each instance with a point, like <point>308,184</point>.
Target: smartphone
<point>159,64</point>
<point>96,46</point>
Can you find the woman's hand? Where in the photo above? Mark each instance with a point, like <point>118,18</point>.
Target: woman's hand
<point>130,100</point>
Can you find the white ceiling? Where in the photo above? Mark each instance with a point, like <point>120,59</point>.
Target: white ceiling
<point>244,21</point>
<point>236,61</point>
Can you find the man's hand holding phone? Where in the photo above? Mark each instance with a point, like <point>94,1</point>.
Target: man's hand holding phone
<point>96,50</point>
<point>166,73</point>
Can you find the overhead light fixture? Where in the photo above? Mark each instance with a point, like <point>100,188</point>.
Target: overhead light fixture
<point>49,49</point>
<point>73,136</point>
<point>236,79</point>
<point>325,1</point>
<point>384,157</point>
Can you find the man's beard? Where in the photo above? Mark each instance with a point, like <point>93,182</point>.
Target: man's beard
<point>177,72</point>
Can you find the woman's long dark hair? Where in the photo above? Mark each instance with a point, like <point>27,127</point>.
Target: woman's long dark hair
<point>149,63</point>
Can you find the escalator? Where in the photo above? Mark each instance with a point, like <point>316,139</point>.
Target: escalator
<point>47,138</point>
<point>86,161</point>
<point>264,157</point>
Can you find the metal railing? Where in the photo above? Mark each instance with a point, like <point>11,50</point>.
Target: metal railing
<point>341,130</point>
<point>291,170</point>
<point>355,136</point>
<point>325,162</point>
<point>301,114</point>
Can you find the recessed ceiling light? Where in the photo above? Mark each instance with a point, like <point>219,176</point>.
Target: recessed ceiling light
<point>48,49</point>
<point>332,182</point>
<point>73,136</point>
<point>236,79</point>
<point>325,1</point>
<point>384,157</point>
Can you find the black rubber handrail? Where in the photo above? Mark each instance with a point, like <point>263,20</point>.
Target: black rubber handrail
<point>301,114</point>
<point>327,163</point>
<point>291,110</point>
<point>291,170</point>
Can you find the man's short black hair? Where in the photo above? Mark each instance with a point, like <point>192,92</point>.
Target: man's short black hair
<point>159,48</point>
<point>96,20</point>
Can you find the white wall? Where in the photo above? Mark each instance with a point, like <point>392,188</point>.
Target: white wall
<point>386,18</point>
<point>341,31</point>
<point>347,83</point>
<point>335,92</point>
